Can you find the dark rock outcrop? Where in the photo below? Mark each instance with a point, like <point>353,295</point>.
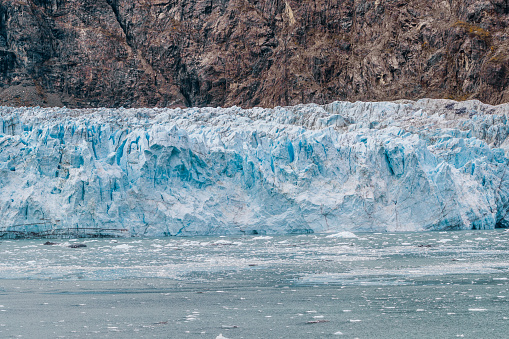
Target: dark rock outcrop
<point>250,53</point>
<point>77,246</point>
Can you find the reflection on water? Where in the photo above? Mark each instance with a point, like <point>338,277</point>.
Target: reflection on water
<point>263,286</point>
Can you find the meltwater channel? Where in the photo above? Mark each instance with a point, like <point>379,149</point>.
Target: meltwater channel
<point>363,285</point>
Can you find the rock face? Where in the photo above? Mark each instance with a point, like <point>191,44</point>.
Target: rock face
<point>112,53</point>
<point>401,166</point>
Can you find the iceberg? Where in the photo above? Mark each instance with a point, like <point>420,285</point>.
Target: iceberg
<point>341,167</point>
<point>344,234</point>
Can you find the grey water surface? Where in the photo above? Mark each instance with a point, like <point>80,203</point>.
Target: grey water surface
<point>368,285</point>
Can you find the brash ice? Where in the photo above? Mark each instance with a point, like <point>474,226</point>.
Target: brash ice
<point>385,166</point>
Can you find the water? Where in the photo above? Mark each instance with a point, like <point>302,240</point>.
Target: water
<point>403,285</point>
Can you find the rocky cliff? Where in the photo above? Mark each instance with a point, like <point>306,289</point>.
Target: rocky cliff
<point>250,53</point>
<point>404,166</point>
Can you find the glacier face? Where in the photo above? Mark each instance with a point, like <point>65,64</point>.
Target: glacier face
<point>385,166</point>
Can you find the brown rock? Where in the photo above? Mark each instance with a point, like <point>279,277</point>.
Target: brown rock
<point>250,53</point>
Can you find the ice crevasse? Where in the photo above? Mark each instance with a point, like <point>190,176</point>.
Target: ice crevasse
<point>364,166</point>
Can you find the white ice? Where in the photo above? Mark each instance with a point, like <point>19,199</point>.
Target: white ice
<point>341,167</point>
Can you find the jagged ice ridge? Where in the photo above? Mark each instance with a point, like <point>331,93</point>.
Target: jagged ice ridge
<point>385,166</point>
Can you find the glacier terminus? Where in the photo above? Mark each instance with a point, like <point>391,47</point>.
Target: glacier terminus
<point>364,166</point>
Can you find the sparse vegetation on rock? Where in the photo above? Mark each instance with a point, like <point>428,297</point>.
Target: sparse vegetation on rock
<point>250,53</point>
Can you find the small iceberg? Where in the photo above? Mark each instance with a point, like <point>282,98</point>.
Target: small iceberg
<point>344,234</point>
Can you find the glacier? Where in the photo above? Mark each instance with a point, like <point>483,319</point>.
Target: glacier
<point>340,167</point>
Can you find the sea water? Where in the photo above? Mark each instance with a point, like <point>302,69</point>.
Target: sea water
<point>371,285</point>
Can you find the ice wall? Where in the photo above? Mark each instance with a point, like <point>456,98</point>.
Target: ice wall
<point>387,166</point>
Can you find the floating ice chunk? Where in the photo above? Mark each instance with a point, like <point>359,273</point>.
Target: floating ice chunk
<point>123,247</point>
<point>344,234</point>
<point>222,243</point>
